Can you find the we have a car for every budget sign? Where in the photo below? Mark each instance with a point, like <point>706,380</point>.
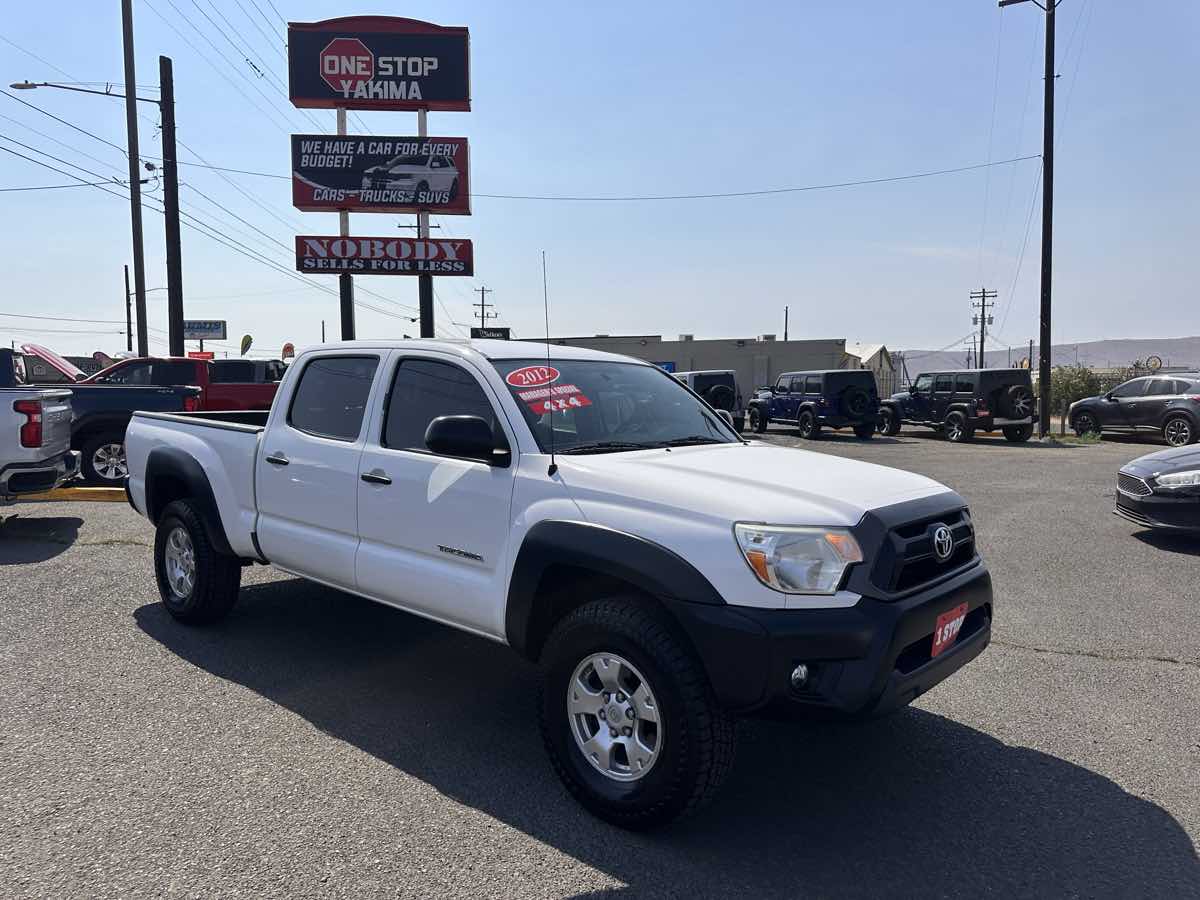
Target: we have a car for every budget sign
<point>380,174</point>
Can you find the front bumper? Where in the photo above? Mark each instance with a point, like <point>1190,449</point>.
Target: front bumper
<point>1180,512</point>
<point>863,660</point>
<point>31,478</point>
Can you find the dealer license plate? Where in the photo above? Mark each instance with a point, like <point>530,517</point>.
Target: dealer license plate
<point>945,633</point>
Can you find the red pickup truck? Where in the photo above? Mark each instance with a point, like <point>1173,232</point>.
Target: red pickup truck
<point>225,384</point>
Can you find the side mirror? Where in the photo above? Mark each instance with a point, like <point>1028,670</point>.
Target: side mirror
<point>1108,396</point>
<point>469,437</point>
<point>912,388</point>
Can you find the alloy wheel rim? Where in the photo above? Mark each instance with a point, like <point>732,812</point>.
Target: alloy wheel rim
<point>1085,423</point>
<point>109,461</point>
<point>614,717</point>
<point>1178,432</point>
<point>180,558</point>
<point>953,431</point>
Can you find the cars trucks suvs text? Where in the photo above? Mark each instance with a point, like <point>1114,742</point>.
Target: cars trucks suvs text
<point>599,518</point>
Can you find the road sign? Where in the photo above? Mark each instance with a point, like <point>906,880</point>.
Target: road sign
<point>378,62</point>
<point>496,334</point>
<point>204,329</point>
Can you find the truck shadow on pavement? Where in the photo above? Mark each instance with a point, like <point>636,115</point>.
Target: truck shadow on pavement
<point>914,804</point>
<point>35,540</point>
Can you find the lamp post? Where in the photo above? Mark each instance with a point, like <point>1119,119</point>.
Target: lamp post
<point>170,175</point>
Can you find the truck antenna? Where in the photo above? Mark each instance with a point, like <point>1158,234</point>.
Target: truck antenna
<point>550,398</point>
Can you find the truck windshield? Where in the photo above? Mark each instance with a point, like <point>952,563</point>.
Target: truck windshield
<point>605,407</point>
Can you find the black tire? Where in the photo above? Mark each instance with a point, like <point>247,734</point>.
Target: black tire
<point>697,736</point>
<point>889,422</point>
<point>720,396</point>
<point>808,426</point>
<point>1018,434</point>
<point>216,577</point>
<point>102,459</point>
<point>956,429</point>
<point>855,402</point>
<point>1016,402</point>
<point>739,424</point>
<point>1178,431</point>
<point>758,422</point>
<point>864,432</point>
<point>1085,423</point>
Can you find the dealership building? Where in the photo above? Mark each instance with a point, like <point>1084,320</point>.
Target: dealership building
<point>756,360</point>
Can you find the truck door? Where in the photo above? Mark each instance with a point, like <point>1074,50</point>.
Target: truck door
<point>434,529</point>
<point>782,405</point>
<point>306,476</point>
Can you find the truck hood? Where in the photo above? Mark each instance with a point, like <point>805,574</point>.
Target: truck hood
<point>738,482</point>
<point>54,361</point>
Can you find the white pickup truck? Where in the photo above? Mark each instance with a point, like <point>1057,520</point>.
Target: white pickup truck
<point>599,518</point>
<point>35,436</point>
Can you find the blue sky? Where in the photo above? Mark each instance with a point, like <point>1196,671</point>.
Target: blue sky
<point>664,98</point>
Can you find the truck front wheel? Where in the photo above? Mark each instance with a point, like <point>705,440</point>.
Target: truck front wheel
<point>197,584</point>
<point>628,717</point>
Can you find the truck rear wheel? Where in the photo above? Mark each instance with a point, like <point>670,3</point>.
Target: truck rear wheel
<point>807,424</point>
<point>889,422</point>
<point>102,459</point>
<point>957,430</point>
<point>628,717</point>
<point>197,584</point>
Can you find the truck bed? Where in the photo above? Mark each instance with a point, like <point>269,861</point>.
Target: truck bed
<point>224,444</point>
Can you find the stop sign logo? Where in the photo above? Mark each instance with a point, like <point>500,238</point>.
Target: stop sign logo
<point>346,63</point>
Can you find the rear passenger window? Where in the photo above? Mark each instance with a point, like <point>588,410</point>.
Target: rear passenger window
<point>1162,387</point>
<point>797,386</point>
<point>812,384</point>
<point>943,384</point>
<point>332,395</point>
<point>424,389</point>
<point>234,371</point>
<point>964,385</point>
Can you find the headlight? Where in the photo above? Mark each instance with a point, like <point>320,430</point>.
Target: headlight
<point>796,559</point>
<point>1179,479</point>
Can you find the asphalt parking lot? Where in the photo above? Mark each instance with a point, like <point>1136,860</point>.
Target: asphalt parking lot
<point>315,744</point>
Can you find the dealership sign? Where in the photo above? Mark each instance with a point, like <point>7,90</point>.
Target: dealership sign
<point>378,62</point>
<point>380,174</point>
<point>384,255</point>
<point>204,329</point>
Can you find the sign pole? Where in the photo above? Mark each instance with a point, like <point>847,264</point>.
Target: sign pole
<point>166,104</point>
<point>424,282</point>
<point>345,280</point>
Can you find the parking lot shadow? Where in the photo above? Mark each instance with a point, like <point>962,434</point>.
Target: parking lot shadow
<point>912,805</point>
<point>25,541</point>
<point>1186,544</point>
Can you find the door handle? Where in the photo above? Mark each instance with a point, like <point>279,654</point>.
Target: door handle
<point>375,477</point>
<point>277,460</point>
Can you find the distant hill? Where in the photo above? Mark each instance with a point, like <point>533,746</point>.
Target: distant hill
<point>1184,351</point>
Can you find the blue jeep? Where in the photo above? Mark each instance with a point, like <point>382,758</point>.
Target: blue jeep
<point>837,398</point>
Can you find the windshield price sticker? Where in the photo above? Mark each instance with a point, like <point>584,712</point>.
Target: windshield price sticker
<point>532,376</point>
<point>575,400</point>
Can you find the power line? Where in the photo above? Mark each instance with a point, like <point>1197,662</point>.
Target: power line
<point>987,181</point>
<point>1021,256</point>
<point>56,330</point>
<point>97,137</point>
<point>53,187</point>
<point>61,318</point>
<point>33,55</point>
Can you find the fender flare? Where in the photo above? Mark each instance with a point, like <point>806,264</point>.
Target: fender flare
<point>172,463</point>
<point>609,553</point>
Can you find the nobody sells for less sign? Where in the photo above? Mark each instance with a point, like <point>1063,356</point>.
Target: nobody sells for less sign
<point>384,255</point>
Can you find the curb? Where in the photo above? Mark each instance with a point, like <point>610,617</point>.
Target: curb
<point>77,494</point>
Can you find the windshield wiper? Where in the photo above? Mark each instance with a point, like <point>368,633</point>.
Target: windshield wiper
<point>693,439</point>
<point>608,447</point>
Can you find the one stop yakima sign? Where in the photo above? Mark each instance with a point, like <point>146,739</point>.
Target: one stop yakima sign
<point>378,62</point>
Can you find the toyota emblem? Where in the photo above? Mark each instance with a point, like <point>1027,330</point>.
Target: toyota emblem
<point>943,543</point>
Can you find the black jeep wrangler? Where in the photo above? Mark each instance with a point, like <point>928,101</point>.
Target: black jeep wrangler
<point>960,403</point>
<point>837,398</point>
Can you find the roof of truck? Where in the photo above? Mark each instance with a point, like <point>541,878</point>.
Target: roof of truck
<point>489,349</point>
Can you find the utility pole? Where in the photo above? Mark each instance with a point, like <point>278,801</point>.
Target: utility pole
<point>483,314</point>
<point>983,300</point>
<point>785,322</point>
<point>135,186</point>
<point>1047,219</point>
<point>128,314</point>
<point>166,103</point>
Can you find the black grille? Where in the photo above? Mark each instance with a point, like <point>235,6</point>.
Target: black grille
<point>911,562</point>
<point>1130,484</point>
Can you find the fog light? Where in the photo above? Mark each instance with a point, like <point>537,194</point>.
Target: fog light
<point>800,677</point>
